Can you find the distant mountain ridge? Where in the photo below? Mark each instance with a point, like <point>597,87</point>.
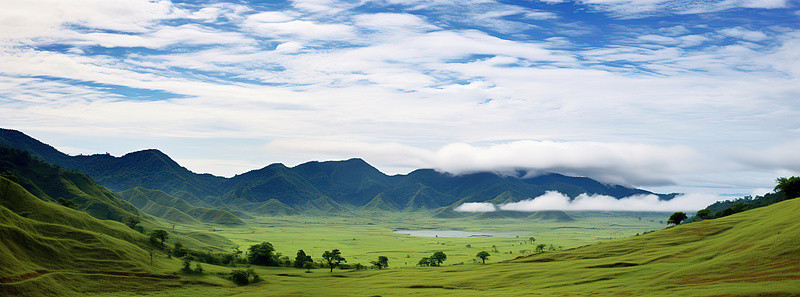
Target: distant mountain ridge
<point>321,187</point>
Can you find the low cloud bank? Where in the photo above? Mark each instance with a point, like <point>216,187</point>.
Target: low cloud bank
<point>553,200</point>
<point>612,162</point>
<point>476,207</point>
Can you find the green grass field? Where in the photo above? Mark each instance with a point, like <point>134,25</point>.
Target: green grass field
<point>752,253</point>
<point>363,237</point>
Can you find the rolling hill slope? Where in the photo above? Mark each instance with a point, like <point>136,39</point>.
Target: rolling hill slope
<point>162,205</point>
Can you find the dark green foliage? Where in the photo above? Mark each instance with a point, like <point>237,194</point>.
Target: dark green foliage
<point>382,262</point>
<point>483,255</point>
<point>262,254</point>
<point>704,213</point>
<point>187,269</point>
<point>244,276</point>
<point>676,218</point>
<point>220,259</point>
<point>302,259</point>
<point>161,235</point>
<point>437,258</point>
<point>540,248</point>
<point>424,261</point>
<point>788,186</point>
<point>333,258</point>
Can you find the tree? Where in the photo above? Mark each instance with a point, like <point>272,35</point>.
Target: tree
<point>133,223</point>
<point>161,235</point>
<point>301,259</point>
<point>382,262</point>
<point>333,258</point>
<point>676,218</point>
<point>789,186</point>
<point>540,248</point>
<point>704,213</point>
<point>531,239</point>
<point>438,258</point>
<point>261,254</point>
<point>483,255</point>
<point>425,261</point>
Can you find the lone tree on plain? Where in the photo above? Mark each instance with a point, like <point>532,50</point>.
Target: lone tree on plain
<point>540,248</point>
<point>261,254</point>
<point>301,259</point>
<point>789,186</point>
<point>333,258</point>
<point>676,218</point>
<point>483,255</point>
<point>161,235</point>
<point>383,262</point>
<point>437,258</point>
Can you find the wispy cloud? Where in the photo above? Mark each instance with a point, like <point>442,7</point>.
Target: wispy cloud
<point>455,85</point>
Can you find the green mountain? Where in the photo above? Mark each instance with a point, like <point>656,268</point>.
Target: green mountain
<point>162,205</point>
<point>310,187</point>
<point>70,188</point>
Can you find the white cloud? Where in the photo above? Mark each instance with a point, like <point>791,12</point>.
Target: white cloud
<point>743,33</point>
<point>557,201</point>
<point>624,163</point>
<point>476,207</point>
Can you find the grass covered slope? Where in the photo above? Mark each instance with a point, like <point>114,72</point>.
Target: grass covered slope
<point>51,183</point>
<point>50,237</point>
<point>162,205</point>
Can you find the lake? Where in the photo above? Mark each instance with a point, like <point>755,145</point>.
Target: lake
<point>458,233</point>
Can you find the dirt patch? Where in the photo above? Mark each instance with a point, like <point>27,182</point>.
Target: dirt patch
<point>29,275</point>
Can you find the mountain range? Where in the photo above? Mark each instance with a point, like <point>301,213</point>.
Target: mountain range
<point>321,187</point>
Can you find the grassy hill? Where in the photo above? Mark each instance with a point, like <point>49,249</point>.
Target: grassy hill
<point>162,205</point>
<point>54,184</point>
<point>39,237</point>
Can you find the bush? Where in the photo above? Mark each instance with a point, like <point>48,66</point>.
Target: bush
<point>244,276</point>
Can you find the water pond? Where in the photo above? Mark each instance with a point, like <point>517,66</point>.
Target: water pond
<point>458,233</point>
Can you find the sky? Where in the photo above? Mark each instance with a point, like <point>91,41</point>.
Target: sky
<point>671,96</point>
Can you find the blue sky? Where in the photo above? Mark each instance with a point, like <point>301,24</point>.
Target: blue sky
<point>690,96</point>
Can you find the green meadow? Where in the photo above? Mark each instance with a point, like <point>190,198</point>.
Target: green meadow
<point>362,237</point>
<point>751,253</point>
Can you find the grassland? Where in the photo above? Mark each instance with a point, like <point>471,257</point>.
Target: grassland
<point>752,253</point>
<point>362,237</point>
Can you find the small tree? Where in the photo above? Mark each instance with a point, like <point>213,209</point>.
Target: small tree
<point>438,258</point>
<point>382,262</point>
<point>161,235</point>
<point>789,186</point>
<point>676,218</point>
<point>483,255</point>
<point>301,259</point>
<point>261,254</point>
<point>704,213</point>
<point>425,261</point>
<point>540,248</point>
<point>333,258</point>
<point>531,239</point>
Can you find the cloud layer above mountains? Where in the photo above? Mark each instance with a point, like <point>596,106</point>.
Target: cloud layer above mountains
<point>647,93</point>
